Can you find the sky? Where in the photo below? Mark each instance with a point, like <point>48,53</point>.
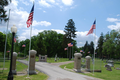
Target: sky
<point>54,15</point>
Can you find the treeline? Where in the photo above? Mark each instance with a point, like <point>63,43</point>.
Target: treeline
<point>45,43</point>
<point>109,45</point>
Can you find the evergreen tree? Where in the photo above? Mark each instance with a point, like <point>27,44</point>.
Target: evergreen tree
<point>3,16</point>
<point>100,46</point>
<point>70,33</point>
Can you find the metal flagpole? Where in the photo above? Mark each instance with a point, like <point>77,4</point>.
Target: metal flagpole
<point>29,50</point>
<point>94,49</point>
<point>6,41</point>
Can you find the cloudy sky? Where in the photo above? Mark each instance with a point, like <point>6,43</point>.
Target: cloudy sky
<point>54,15</point>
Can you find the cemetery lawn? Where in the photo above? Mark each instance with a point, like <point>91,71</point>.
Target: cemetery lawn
<point>52,60</point>
<point>99,65</point>
<point>20,68</point>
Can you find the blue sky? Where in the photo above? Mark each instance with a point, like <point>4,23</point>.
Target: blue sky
<point>54,15</point>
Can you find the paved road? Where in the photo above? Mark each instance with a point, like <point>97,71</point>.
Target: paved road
<point>56,73</point>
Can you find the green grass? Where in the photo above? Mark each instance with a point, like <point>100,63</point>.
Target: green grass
<point>20,67</point>
<point>99,65</point>
<point>52,60</point>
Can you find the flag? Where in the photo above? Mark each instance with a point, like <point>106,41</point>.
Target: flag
<point>92,27</point>
<point>89,52</point>
<point>65,48</point>
<point>15,39</point>
<point>8,51</point>
<point>30,18</point>
<point>23,45</point>
<point>81,50</point>
<point>70,44</point>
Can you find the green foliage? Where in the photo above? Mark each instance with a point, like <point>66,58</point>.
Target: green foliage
<point>3,15</point>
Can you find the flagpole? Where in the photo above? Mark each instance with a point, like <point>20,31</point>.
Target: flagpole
<point>29,49</point>
<point>6,41</point>
<point>94,50</point>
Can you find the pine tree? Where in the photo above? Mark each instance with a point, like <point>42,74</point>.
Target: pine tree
<point>70,32</point>
<point>3,16</point>
<point>100,46</point>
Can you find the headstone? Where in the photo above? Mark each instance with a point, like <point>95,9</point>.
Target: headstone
<point>110,63</point>
<point>14,63</point>
<point>108,68</point>
<point>88,63</point>
<point>43,58</point>
<point>32,62</point>
<point>77,62</point>
<point>55,57</point>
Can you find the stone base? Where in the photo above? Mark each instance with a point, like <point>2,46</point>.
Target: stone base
<point>14,72</point>
<point>77,70</point>
<point>88,70</point>
<point>32,72</point>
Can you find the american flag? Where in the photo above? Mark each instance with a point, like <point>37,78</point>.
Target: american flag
<point>23,45</point>
<point>70,44</point>
<point>89,52</point>
<point>92,27</point>
<point>30,18</point>
<point>65,48</point>
<point>15,39</point>
<point>8,51</point>
<point>81,50</point>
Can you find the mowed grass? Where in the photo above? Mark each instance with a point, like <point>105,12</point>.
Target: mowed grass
<point>20,67</point>
<point>99,65</point>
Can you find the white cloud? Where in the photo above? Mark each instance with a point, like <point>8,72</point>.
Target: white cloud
<point>112,19</point>
<point>117,23</point>
<point>118,14</point>
<point>81,37</point>
<point>44,11</point>
<point>24,2</point>
<point>42,23</point>
<point>26,34</point>
<point>58,31</point>
<point>44,3</point>
<point>115,27</point>
<point>68,2</point>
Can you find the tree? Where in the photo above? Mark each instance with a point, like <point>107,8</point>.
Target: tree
<point>100,46</point>
<point>91,46</point>
<point>3,16</point>
<point>70,32</point>
<point>40,45</point>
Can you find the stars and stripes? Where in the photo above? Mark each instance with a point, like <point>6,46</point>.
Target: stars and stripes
<point>92,27</point>
<point>30,18</point>
<point>70,44</point>
<point>65,49</point>
<point>81,50</point>
<point>15,39</point>
<point>23,45</point>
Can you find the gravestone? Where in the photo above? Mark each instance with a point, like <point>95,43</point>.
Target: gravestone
<point>43,58</point>
<point>88,63</point>
<point>32,62</point>
<point>108,68</point>
<point>14,63</point>
<point>77,62</point>
<point>110,63</point>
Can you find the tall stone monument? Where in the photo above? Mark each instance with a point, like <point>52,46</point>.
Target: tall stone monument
<point>77,62</point>
<point>88,63</point>
<point>14,63</point>
<point>32,62</point>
